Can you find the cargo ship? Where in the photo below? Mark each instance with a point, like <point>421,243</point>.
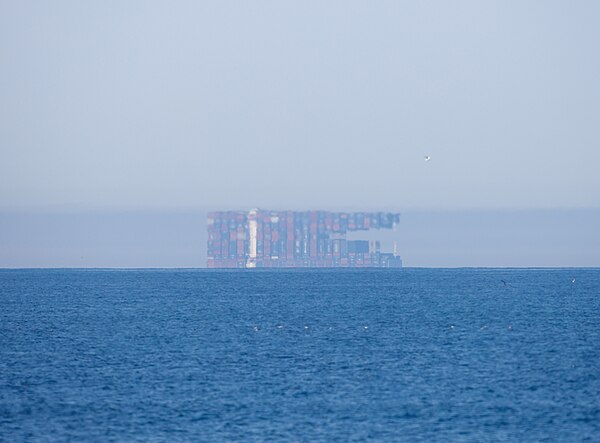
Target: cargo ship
<point>297,239</point>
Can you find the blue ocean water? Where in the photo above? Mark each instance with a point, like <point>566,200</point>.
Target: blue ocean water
<point>300,355</point>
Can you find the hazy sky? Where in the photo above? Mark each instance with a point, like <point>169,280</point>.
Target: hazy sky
<point>539,238</point>
<point>296,104</point>
<point>122,122</point>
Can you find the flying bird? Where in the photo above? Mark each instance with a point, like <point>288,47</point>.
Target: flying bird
<point>427,158</point>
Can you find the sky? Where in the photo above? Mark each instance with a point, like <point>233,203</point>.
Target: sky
<point>155,239</point>
<point>175,107</point>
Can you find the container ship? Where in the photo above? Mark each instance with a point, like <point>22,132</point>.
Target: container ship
<point>294,239</point>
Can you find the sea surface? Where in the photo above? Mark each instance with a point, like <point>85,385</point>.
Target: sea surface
<point>300,355</point>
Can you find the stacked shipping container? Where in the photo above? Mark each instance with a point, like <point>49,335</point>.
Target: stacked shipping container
<point>260,238</point>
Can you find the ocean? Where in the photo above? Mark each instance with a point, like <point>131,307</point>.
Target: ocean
<point>300,355</point>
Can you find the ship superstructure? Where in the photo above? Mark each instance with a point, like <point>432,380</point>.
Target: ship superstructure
<point>293,239</point>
